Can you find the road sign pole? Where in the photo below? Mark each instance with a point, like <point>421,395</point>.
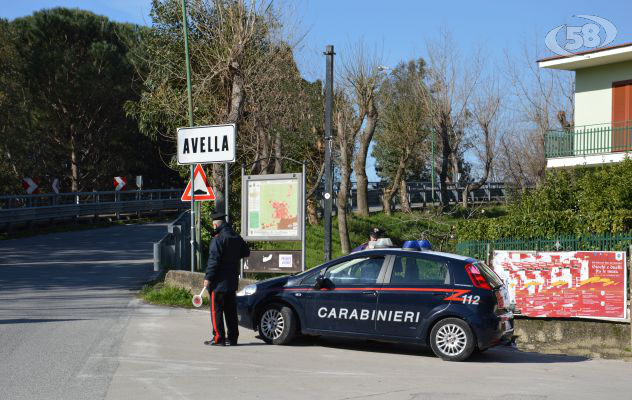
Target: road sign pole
<point>190,101</point>
<point>303,213</point>
<point>226,190</point>
<point>329,99</point>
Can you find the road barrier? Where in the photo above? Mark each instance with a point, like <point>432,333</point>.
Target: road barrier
<point>172,250</point>
<point>29,209</point>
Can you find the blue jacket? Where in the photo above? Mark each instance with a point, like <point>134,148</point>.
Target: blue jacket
<point>226,250</point>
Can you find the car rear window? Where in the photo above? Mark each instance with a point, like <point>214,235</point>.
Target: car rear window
<point>489,274</point>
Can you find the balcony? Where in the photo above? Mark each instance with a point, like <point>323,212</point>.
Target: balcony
<point>588,145</point>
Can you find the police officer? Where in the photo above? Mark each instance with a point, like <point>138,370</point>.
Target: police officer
<point>222,280</point>
<point>374,234</point>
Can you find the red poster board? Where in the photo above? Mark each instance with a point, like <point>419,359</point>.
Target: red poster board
<point>583,284</point>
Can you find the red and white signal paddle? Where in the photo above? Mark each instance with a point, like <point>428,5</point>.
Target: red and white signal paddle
<point>197,299</point>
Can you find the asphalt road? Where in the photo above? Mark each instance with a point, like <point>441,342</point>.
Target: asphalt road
<point>64,308</point>
<point>162,357</point>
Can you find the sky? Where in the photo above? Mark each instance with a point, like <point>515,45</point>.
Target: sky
<point>397,29</point>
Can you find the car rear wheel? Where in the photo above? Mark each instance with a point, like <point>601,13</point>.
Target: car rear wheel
<point>452,339</point>
<point>277,324</point>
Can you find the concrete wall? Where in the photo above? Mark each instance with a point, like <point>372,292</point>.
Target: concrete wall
<point>594,339</point>
<point>193,281</point>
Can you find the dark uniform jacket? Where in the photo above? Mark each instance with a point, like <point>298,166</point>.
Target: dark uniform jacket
<point>222,270</point>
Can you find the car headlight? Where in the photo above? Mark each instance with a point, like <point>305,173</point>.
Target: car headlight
<point>247,291</point>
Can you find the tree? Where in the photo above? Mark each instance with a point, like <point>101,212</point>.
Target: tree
<point>75,73</point>
<point>403,131</point>
<point>452,83</point>
<point>486,111</point>
<point>361,76</point>
<point>345,140</point>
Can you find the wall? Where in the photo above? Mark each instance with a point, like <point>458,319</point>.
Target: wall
<point>593,105</point>
<point>593,92</point>
<point>594,339</point>
<point>193,281</point>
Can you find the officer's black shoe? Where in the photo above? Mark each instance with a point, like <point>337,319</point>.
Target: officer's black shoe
<point>213,343</point>
<point>231,343</point>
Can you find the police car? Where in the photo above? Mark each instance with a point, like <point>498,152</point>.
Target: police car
<point>454,304</point>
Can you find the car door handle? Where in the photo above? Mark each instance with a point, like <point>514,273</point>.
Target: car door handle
<point>370,292</point>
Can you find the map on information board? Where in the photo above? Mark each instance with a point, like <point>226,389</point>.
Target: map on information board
<point>273,208</point>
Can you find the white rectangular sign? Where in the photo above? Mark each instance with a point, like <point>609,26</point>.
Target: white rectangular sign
<point>206,144</point>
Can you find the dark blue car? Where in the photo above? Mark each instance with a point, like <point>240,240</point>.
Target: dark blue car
<point>454,304</point>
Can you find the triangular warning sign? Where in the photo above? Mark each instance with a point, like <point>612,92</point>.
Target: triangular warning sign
<point>201,189</point>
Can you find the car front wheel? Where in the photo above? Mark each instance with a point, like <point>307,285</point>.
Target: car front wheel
<point>452,339</point>
<point>277,324</point>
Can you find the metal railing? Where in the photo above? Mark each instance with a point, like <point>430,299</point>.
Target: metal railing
<point>606,242</point>
<point>172,250</point>
<point>589,139</point>
<point>420,194</point>
<point>28,209</point>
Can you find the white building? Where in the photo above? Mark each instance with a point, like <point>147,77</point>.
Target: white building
<point>602,131</point>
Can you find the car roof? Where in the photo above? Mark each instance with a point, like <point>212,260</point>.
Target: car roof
<point>389,250</point>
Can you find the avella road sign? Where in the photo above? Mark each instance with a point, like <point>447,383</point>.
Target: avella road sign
<point>206,144</point>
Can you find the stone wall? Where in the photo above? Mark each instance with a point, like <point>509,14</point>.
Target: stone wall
<point>596,339</point>
<point>193,281</point>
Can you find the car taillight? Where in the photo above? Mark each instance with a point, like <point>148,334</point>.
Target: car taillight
<point>500,300</point>
<point>478,280</point>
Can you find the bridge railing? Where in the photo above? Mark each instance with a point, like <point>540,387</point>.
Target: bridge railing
<point>28,209</point>
<point>172,251</point>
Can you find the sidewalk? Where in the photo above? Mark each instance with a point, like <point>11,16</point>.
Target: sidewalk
<point>162,357</point>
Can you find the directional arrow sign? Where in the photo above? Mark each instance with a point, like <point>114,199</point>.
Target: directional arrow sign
<point>30,185</point>
<point>119,183</point>
<point>206,144</point>
<point>55,185</point>
<point>201,189</point>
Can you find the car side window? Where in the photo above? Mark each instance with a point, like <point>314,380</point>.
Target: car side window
<point>419,271</point>
<point>357,271</point>
<point>310,279</point>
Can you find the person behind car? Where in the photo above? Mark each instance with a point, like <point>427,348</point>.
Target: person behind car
<point>374,235</point>
<point>222,280</point>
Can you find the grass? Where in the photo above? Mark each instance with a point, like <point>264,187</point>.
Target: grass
<point>162,294</point>
<point>438,228</point>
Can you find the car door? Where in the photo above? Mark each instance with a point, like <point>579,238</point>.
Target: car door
<point>416,286</point>
<point>348,305</point>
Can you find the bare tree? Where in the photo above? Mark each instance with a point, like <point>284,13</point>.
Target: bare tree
<point>486,111</point>
<point>362,77</point>
<point>544,98</point>
<point>452,82</point>
<point>345,141</point>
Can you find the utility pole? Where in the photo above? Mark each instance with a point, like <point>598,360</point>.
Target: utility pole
<point>329,101</point>
<point>190,100</point>
<point>433,167</point>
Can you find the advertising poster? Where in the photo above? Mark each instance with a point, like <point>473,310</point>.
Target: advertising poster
<point>586,284</point>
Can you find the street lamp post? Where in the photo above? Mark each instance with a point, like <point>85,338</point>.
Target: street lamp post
<point>190,101</point>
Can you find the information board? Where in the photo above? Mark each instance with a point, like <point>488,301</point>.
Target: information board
<point>283,261</point>
<point>582,284</point>
<point>272,207</point>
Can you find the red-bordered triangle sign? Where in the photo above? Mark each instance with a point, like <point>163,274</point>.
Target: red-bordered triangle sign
<point>201,189</point>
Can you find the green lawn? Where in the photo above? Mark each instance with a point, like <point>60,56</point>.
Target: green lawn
<point>399,227</point>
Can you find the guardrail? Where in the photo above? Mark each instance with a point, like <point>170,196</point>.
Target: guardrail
<point>28,209</point>
<point>420,194</point>
<point>172,250</point>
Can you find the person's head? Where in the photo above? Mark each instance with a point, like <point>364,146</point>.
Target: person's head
<point>375,234</point>
<point>218,220</point>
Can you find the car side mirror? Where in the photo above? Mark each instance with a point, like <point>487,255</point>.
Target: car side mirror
<point>322,283</point>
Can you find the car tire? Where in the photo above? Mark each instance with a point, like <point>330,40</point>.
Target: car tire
<point>452,339</point>
<point>277,324</point>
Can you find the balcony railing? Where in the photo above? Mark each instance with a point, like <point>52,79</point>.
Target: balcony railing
<point>587,140</point>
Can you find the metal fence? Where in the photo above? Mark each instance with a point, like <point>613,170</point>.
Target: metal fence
<point>28,209</point>
<point>172,250</point>
<point>420,194</point>
<point>483,249</point>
